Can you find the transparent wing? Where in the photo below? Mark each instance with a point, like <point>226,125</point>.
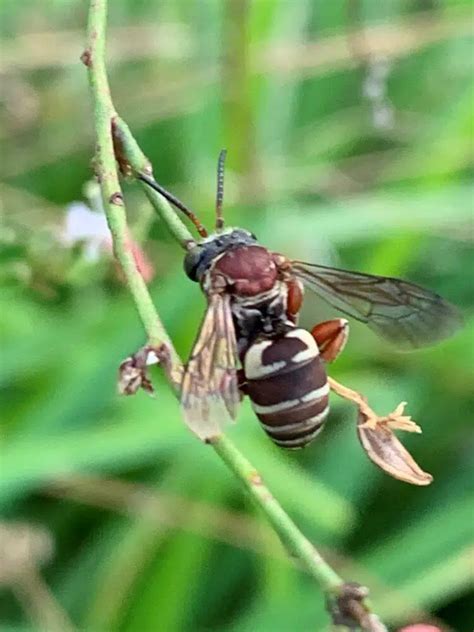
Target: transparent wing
<point>403,313</point>
<point>209,392</point>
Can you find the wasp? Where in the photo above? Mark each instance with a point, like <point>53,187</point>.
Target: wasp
<point>249,342</point>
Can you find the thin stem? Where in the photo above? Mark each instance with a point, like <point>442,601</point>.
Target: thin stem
<point>139,163</point>
<point>39,602</point>
<point>107,123</point>
<point>104,111</point>
<point>294,541</point>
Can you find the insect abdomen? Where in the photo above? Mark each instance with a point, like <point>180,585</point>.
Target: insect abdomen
<point>287,386</point>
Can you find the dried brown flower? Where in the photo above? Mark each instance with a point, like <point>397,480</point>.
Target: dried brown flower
<point>384,449</point>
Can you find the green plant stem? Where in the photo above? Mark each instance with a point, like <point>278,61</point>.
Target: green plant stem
<point>104,113</point>
<point>105,120</point>
<point>292,538</point>
<point>140,164</point>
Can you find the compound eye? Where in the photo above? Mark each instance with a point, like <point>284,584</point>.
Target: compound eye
<point>192,261</point>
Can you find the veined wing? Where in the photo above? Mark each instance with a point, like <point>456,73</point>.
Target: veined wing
<point>209,391</point>
<point>403,313</point>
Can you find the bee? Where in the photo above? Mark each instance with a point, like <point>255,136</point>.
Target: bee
<point>249,342</point>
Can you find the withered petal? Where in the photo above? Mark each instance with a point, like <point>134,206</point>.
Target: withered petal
<point>385,450</point>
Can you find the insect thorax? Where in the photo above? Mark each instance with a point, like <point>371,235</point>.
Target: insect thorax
<point>248,273</point>
<point>261,315</point>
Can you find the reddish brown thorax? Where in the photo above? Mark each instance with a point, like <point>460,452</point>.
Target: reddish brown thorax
<point>250,270</point>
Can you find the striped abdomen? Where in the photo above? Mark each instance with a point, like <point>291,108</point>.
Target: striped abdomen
<point>288,388</point>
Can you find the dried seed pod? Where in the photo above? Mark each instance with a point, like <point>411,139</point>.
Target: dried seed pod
<point>133,373</point>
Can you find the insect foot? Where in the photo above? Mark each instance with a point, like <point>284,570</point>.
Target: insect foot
<point>133,372</point>
<point>347,608</point>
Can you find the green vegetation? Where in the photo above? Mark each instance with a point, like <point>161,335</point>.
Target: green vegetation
<point>150,530</point>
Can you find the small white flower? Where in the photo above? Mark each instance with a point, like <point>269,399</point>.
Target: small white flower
<point>383,117</point>
<point>88,225</point>
<point>374,89</point>
<point>84,225</point>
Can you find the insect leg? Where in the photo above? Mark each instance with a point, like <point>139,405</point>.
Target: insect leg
<point>331,336</point>
<point>396,419</point>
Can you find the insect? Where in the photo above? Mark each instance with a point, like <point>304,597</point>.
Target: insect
<point>249,342</point>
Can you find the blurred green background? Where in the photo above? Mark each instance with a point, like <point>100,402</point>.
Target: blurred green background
<point>349,131</point>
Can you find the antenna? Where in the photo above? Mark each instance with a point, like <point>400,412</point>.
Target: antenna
<point>220,190</point>
<point>174,200</point>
